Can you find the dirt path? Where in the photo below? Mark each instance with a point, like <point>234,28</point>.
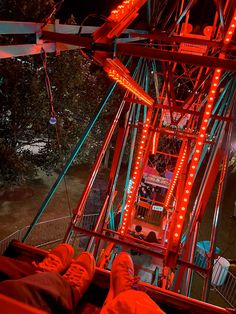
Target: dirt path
<point>19,205</point>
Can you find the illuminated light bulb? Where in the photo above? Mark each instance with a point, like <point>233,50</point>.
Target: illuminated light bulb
<point>213,91</point>
<point>189,183</point>
<point>209,106</point>
<point>199,143</point>
<point>207,113</point>
<point>181,217</point>
<point>227,39</point>
<point>193,167</point>
<point>218,70</point>
<point>123,227</point>
<point>141,147</point>
<point>214,84</point>
<point>230,32</point>
<point>216,77</point>
<point>183,208</point>
<point>196,159</point>
<point>139,157</point>
<point>201,135</point>
<point>185,199</point>
<point>135,178</point>
<point>203,128</point>
<point>206,120</point>
<point>145,131</point>
<point>125,219</point>
<point>187,191</point>
<point>176,235</point>
<point>179,226</point>
<point>211,98</point>
<point>191,175</point>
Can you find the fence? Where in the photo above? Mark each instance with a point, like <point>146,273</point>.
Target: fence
<point>47,232</point>
<point>223,281</point>
<point>228,289</point>
<point>149,211</point>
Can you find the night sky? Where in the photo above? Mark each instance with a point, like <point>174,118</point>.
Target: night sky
<point>82,8</point>
<point>202,13</point>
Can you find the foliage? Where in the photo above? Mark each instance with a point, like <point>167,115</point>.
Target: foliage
<point>25,109</point>
<point>24,10</point>
<point>27,139</point>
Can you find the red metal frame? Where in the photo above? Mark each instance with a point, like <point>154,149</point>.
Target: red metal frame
<point>103,45</point>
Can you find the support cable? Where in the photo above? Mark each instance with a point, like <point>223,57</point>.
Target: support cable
<point>53,120</point>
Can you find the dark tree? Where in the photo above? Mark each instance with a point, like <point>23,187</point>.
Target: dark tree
<point>27,139</point>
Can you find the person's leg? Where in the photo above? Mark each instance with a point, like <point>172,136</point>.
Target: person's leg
<point>11,268</point>
<point>122,298</point>
<point>58,259</point>
<point>49,290</point>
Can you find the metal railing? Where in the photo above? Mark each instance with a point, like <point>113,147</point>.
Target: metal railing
<point>146,210</point>
<point>222,281</point>
<point>228,289</point>
<point>47,232</point>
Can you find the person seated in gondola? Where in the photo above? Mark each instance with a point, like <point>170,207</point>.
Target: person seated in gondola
<point>59,282</point>
<point>138,232</point>
<point>151,237</point>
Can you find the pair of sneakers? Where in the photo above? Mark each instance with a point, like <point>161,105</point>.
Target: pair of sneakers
<point>80,271</point>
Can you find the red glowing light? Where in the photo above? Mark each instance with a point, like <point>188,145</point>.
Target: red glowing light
<point>118,72</point>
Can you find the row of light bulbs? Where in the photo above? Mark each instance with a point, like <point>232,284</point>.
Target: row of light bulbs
<point>200,140</point>
<point>195,158</point>
<point>117,71</point>
<point>136,173</point>
<point>231,29</point>
<point>122,10</point>
<point>177,172</point>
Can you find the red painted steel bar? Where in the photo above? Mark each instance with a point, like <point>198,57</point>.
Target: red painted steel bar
<point>182,39</point>
<point>140,51</point>
<point>137,173</point>
<point>142,249</point>
<point>165,55</point>
<point>81,204</point>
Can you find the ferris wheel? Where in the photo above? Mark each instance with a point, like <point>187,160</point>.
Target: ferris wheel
<point>174,123</point>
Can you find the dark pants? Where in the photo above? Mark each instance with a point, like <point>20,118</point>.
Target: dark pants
<point>48,291</point>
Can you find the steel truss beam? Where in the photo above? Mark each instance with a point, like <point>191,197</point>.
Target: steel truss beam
<point>140,51</point>
<point>180,39</point>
